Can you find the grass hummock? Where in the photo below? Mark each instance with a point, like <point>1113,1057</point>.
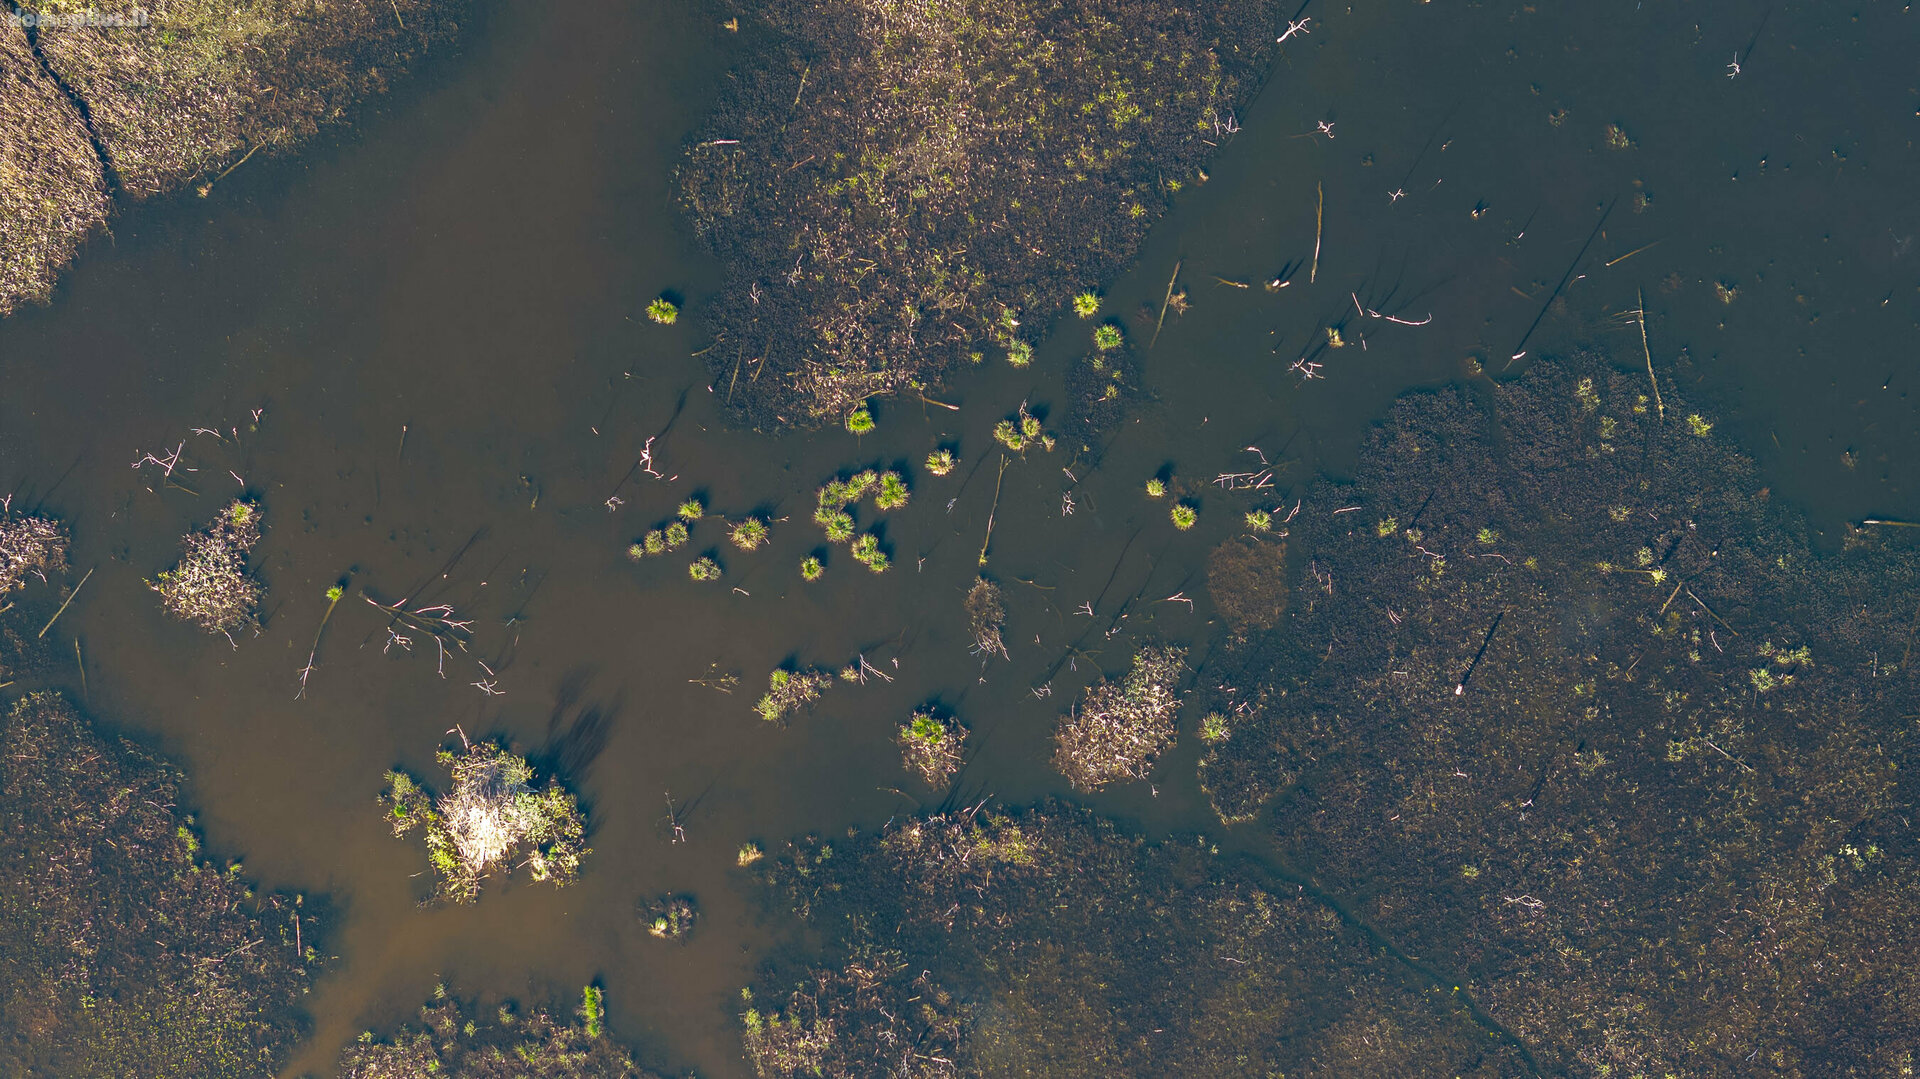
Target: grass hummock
<point>749,535</point>
<point>490,816</point>
<point>892,494</point>
<point>210,588</point>
<point>790,691</point>
<point>663,311</point>
<point>986,618</point>
<point>811,568</point>
<point>1183,515</point>
<point>704,569</point>
<point>930,747</point>
<point>941,461</point>
<point>860,420</point>
<point>867,552</point>
<point>670,917</point>
<point>30,545</point>
<point>1120,729</point>
<point>1086,304</point>
<point>691,510</point>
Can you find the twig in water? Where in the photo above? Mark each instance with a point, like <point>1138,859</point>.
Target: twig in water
<point>996,509</point>
<point>1659,405</point>
<point>1167,299</point>
<point>673,820</point>
<point>63,606</point>
<point>1520,349</point>
<point>82,664</point>
<point>333,598</point>
<point>1319,215</point>
<point>1631,253</point>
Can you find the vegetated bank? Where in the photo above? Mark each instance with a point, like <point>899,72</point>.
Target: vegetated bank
<point>1565,705</point>
<point>1048,943</point>
<point>461,1041</point>
<point>901,188</point>
<point>127,99</point>
<point>123,950</point>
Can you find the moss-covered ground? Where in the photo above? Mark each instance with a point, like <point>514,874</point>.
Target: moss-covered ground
<point>136,98</point>
<point>123,950</point>
<point>900,188</point>
<point>1051,944</point>
<point>1572,710</point>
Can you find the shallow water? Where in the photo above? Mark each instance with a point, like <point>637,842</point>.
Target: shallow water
<point>439,317</point>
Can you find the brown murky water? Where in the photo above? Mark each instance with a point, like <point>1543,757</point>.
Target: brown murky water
<point>439,317</point>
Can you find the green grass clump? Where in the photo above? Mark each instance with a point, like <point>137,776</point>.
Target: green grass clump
<point>676,535</point>
<point>636,551</point>
<point>691,510</point>
<point>592,1009</point>
<point>790,691</point>
<point>704,569</point>
<point>1019,353</point>
<point>941,461</point>
<point>892,493</point>
<point>811,568</point>
<point>1108,337</point>
<point>866,550</point>
<point>1260,521</point>
<point>860,420</point>
<point>655,542</point>
<point>1184,516</point>
<point>838,525</point>
<point>750,534</point>
<point>930,747</point>
<point>1156,488</point>
<point>1214,729</point>
<point>1086,304</point>
<point>663,311</point>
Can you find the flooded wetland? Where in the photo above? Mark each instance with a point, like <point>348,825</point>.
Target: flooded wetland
<point>1015,538</point>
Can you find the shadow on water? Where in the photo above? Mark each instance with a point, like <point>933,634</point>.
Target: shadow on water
<point>439,318</point>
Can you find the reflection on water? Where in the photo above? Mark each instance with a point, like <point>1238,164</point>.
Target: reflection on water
<point>440,318</point>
